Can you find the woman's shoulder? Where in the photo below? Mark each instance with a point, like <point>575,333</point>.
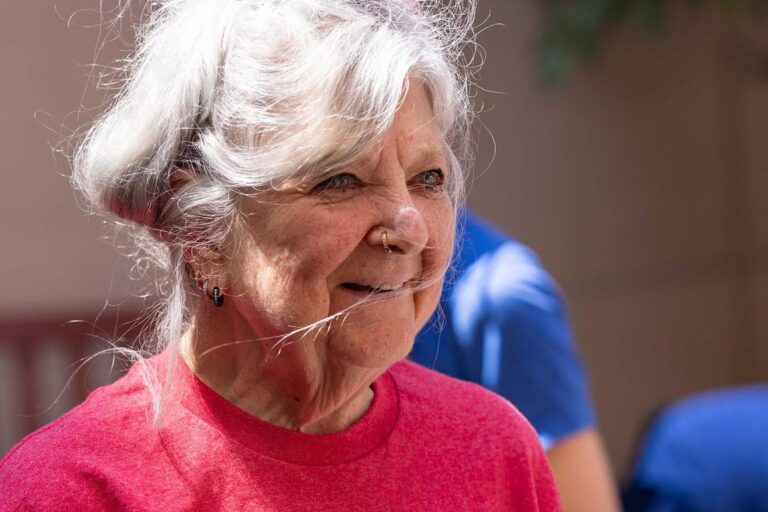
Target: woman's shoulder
<point>478,434</point>
<point>53,458</point>
<point>458,403</point>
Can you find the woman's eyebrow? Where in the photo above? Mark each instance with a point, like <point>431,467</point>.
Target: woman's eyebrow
<point>427,156</point>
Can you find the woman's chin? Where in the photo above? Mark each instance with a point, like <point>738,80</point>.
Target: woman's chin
<point>370,348</point>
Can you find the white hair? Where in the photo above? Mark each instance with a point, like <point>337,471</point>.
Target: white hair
<point>248,93</point>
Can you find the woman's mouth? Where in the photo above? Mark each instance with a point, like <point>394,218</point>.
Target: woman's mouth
<point>364,289</point>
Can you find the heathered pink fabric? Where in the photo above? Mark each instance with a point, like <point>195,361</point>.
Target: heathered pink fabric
<point>428,442</point>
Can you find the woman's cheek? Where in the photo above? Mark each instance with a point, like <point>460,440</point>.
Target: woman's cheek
<point>442,227</point>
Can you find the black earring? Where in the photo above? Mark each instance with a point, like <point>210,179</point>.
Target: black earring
<point>218,298</point>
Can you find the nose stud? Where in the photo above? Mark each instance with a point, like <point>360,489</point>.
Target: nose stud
<point>385,241</point>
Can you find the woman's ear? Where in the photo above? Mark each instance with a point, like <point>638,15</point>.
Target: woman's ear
<point>206,262</point>
<point>177,179</point>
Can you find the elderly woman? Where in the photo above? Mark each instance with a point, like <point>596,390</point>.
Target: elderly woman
<point>296,164</point>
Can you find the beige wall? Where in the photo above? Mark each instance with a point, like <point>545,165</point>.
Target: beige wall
<point>52,257</point>
<point>640,183</point>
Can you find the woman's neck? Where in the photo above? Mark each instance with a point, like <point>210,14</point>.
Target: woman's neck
<point>295,386</point>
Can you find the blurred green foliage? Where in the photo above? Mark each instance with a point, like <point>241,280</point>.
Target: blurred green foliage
<point>574,30</point>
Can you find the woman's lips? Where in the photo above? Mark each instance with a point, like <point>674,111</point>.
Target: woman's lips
<point>364,289</point>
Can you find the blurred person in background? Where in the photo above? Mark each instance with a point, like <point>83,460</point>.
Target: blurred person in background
<point>705,453</point>
<point>294,167</point>
<point>502,323</point>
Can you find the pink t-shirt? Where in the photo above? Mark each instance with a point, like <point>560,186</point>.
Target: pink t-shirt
<point>428,442</point>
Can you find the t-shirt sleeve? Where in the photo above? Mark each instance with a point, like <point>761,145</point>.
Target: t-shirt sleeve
<point>509,313</point>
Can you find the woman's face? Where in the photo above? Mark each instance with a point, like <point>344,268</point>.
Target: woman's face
<point>316,250</point>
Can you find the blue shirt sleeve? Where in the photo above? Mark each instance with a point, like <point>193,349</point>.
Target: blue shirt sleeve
<point>505,327</point>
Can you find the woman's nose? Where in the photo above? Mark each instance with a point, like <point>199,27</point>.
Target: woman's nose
<point>404,231</point>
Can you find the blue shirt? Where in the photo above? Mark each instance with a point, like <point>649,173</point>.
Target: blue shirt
<point>705,453</point>
<point>502,323</point>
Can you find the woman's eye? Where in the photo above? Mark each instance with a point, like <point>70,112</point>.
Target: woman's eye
<point>336,183</point>
<point>432,179</point>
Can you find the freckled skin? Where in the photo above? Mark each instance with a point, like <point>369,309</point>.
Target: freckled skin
<point>289,267</point>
